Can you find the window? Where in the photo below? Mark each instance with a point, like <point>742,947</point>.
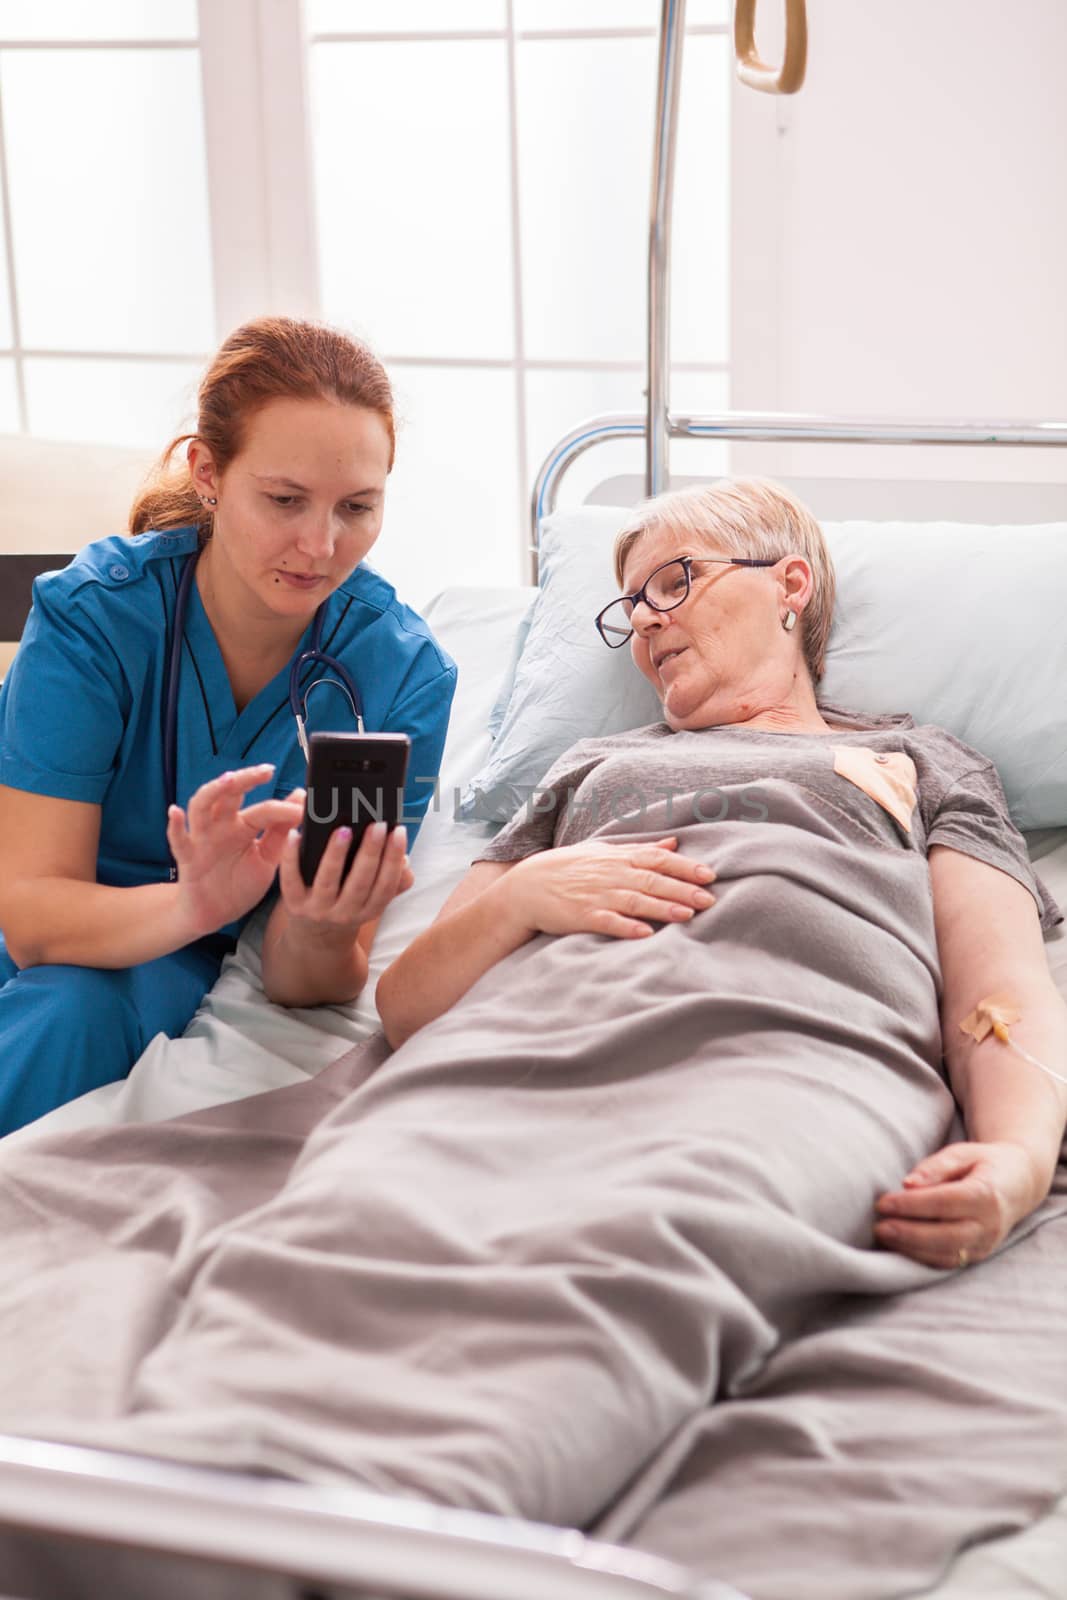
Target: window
<point>106,279</point>
<point>463,182</point>
<point>482,188</point>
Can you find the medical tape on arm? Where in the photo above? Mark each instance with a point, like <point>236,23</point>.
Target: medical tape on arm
<point>995,1014</point>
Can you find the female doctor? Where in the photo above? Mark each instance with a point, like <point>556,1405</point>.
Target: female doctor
<point>150,765</point>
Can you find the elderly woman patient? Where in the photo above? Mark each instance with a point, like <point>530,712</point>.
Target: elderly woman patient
<point>884,852</point>
<point>668,1089</point>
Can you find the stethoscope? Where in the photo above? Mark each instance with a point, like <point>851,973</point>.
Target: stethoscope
<point>297,702</point>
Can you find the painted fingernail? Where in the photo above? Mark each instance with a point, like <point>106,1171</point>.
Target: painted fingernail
<point>681,913</point>
<point>702,898</point>
<point>294,835</point>
<point>400,835</point>
<point>706,873</point>
<point>344,834</point>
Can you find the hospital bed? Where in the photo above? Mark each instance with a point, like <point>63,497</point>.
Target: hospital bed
<point>79,1522</point>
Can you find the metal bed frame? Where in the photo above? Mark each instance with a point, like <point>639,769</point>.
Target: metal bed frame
<point>658,425</point>
<point>77,1522</point>
<point>84,1524</point>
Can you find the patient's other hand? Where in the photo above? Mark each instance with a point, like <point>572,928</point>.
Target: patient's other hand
<point>602,887</point>
<point>958,1204</point>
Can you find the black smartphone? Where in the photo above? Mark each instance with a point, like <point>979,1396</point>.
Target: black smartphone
<point>353,780</point>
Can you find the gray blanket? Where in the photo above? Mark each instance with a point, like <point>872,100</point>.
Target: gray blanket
<point>595,1248</point>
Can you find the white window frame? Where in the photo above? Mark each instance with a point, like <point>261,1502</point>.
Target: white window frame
<point>17,350</point>
<point>263,236</point>
<point>254,69</point>
<point>519,363</point>
<point>254,60</point>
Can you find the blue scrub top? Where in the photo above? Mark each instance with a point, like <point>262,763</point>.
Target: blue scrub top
<point>81,709</point>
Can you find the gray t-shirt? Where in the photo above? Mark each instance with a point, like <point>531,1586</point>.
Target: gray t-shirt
<point>906,787</point>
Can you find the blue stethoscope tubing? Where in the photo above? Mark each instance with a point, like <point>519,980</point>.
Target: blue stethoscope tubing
<point>297,704</point>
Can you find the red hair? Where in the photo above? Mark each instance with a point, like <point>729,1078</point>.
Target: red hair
<point>270,358</point>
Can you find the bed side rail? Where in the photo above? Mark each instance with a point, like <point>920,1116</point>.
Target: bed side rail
<point>767,427</point>
<point>80,1523</point>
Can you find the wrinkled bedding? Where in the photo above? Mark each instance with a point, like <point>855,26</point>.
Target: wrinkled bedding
<point>594,1248</point>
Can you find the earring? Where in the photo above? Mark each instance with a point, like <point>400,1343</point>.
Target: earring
<point>210,500</point>
<point>789,621</point>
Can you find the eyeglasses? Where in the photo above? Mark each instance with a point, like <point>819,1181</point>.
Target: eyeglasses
<point>663,590</point>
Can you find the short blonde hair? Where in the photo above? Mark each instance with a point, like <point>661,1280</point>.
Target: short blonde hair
<point>746,517</point>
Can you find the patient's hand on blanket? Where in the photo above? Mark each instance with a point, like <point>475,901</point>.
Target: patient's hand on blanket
<point>959,1204</point>
<point>596,887</point>
<point>601,887</point>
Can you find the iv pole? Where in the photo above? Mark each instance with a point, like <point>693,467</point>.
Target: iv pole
<point>753,72</point>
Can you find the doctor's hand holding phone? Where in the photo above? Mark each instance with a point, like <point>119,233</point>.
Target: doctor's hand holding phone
<point>349,860</point>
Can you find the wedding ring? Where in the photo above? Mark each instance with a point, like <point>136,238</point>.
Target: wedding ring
<point>962,1256</point>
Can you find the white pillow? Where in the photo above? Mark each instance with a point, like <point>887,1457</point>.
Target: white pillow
<point>964,626</point>
<point>503,694</point>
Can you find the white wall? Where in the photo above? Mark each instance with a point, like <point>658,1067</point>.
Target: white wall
<point>900,228</point>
